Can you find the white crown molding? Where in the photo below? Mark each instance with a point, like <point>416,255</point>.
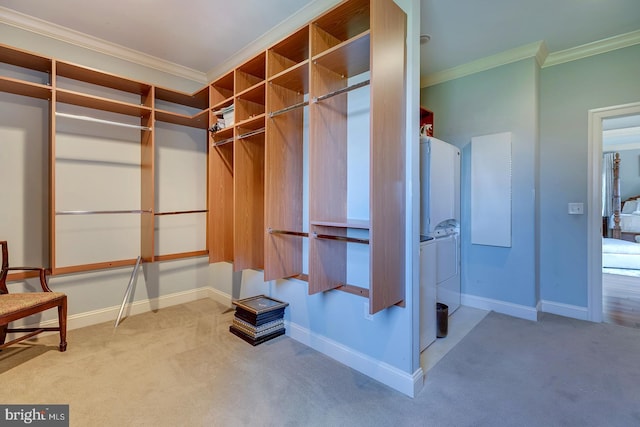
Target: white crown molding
<point>595,48</point>
<point>537,50</point>
<point>286,27</point>
<point>57,32</point>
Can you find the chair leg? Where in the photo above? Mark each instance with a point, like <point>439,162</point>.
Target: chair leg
<point>3,333</point>
<point>62,322</point>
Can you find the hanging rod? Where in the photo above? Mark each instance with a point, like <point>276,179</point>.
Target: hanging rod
<point>341,238</point>
<point>106,122</point>
<point>251,133</point>
<point>180,212</point>
<point>224,141</point>
<point>136,211</point>
<point>290,233</point>
<point>339,91</point>
<point>287,109</point>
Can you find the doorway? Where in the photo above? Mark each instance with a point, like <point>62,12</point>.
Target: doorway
<point>597,118</point>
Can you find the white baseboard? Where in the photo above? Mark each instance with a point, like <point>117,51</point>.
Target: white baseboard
<point>110,314</point>
<point>409,384</point>
<point>566,310</point>
<point>511,309</point>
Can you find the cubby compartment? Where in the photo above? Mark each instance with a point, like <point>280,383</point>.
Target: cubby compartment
<point>182,108</point>
<point>339,25</point>
<point>289,52</point>
<point>221,90</point>
<point>250,73</point>
<point>250,103</point>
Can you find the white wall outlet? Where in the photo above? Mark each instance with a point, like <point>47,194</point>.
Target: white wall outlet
<point>366,311</point>
<point>576,208</point>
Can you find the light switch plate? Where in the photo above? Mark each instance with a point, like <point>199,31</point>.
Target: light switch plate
<point>576,208</point>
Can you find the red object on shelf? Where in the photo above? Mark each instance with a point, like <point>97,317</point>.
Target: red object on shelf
<point>426,122</point>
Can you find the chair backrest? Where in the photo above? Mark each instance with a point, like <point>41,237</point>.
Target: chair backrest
<point>5,268</point>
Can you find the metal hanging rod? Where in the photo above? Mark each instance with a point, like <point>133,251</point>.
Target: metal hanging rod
<point>106,122</point>
<point>341,238</point>
<point>287,109</point>
<point>251,133</point>
<point>339,91</point>
<point>180,212</point>
<point>290,233</point>
<point>224,141</point>
<point>136,211</point>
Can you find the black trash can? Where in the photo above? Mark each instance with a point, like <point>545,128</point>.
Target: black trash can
<point>442,320</point>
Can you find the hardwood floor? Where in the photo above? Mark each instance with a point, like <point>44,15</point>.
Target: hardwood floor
<point>621,300</point>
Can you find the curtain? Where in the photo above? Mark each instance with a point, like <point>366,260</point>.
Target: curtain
<point>607,184</point>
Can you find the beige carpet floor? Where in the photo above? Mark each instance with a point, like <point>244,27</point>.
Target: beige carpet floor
<point>181,366</point>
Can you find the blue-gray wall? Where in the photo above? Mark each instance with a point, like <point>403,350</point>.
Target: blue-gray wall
<point>503,99</point>
<point>547,111</point>
<point>568,91</point>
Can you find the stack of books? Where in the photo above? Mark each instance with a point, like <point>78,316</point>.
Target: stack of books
<point>258,319</point>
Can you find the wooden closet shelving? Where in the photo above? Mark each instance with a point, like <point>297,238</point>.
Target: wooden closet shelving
<point>221,173</point>
<point>287,98</point>
<point>353,41</point>
<point>257,166</point>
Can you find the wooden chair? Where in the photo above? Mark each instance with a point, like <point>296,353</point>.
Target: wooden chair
<point>18,306</point>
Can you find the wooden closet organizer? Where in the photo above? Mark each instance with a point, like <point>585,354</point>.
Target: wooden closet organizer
<point>256,166</point>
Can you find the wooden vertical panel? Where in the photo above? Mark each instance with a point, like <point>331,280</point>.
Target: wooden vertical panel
<point>147,184</point>
<point>52,170</point>
<point>249,203</point>
<point>221,203</point>
<point>283,184</point>
<point>388,150</point>
<point>327,178</point>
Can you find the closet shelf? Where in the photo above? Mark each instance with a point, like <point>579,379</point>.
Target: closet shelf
<point>199,120</point>
<point>20,58</point>
<point>349,223</point>
<point>101,78</point>
<point>20,87</point>
<point>83,100</point>
<point>199,99</point>
<point>295,78</point>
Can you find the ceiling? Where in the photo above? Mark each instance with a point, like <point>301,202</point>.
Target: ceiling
<point>204,34</point>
